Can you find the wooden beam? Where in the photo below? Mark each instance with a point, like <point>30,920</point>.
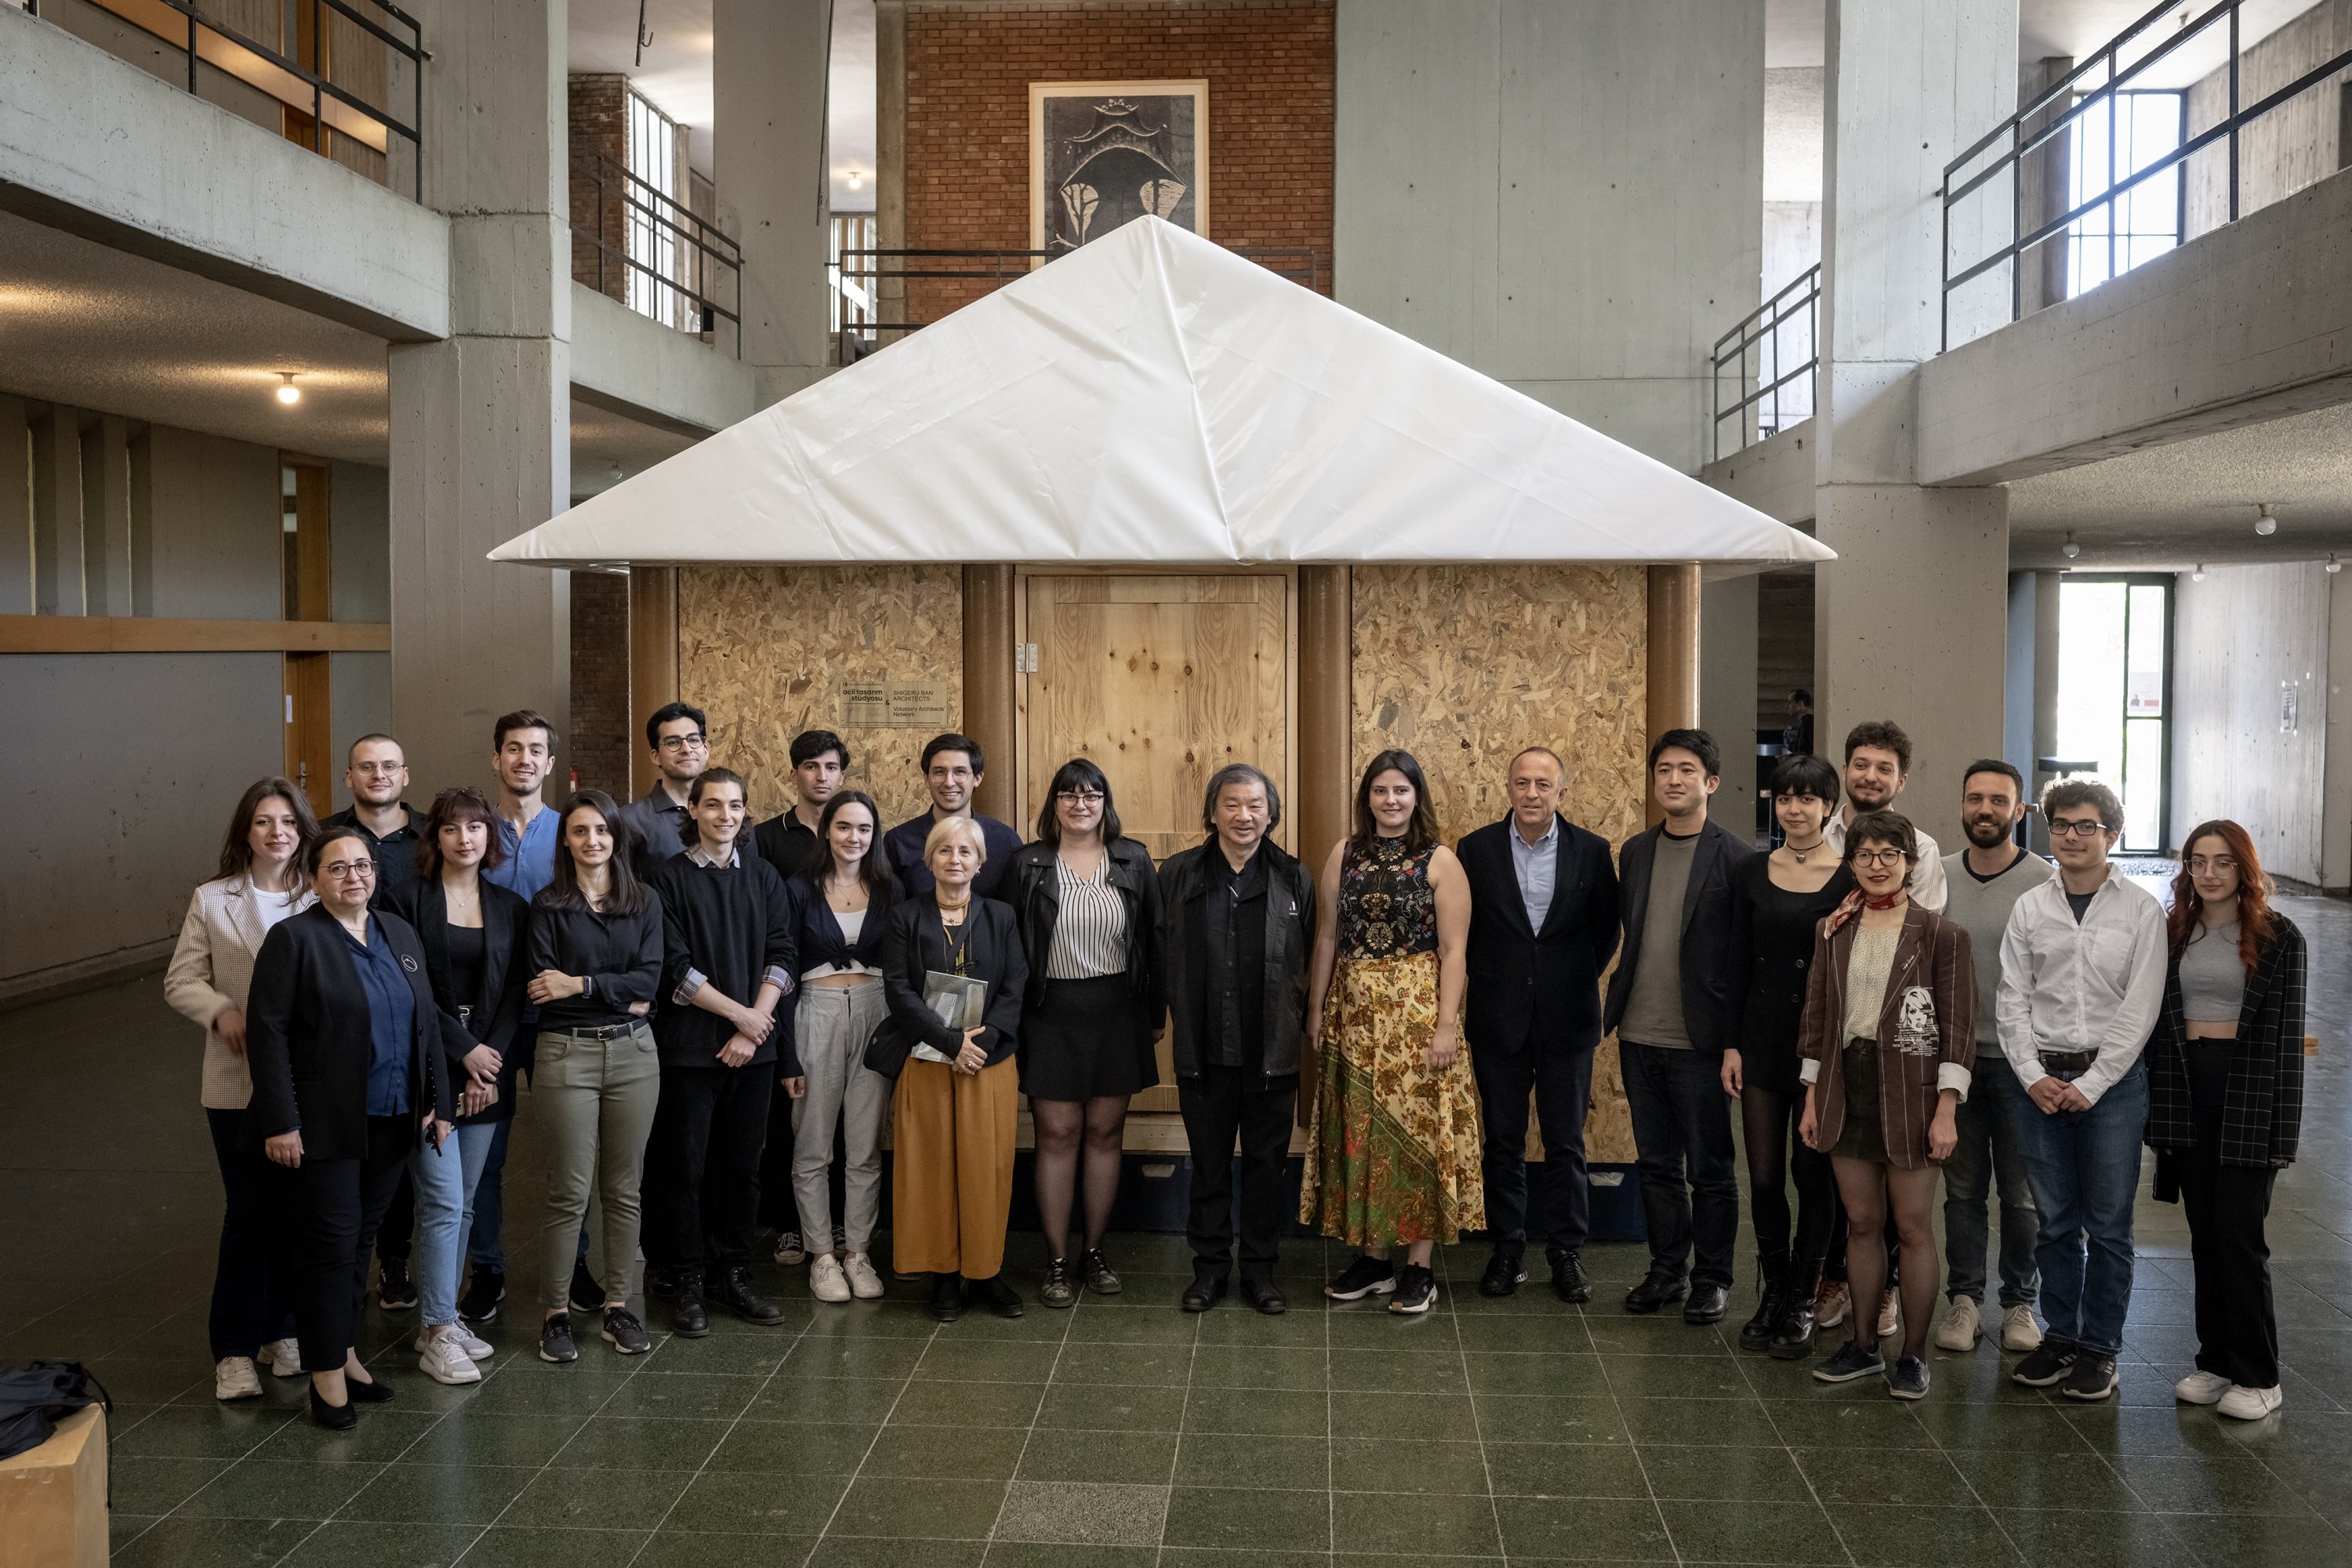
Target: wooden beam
<point>988,694</point>
<point>653,660</point>
<point>1327,725</point>
<point>1674,661</point>
<point>156,634</point>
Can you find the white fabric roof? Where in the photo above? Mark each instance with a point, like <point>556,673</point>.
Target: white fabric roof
<point>1154,399</point>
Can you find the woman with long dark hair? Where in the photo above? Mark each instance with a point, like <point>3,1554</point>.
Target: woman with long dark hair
<point>594,960</point>
<point>1393,1145</point>
<point>2225,1104</point>
<point>258,884</point>
<point>1089,903</point>
<point>840,915</point>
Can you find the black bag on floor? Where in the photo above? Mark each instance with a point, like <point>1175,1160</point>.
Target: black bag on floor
<point>36,1396</point>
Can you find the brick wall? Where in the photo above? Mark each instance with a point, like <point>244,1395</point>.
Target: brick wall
<point>598,736</point>
<point>600,120</point>
<point>1269,65</point>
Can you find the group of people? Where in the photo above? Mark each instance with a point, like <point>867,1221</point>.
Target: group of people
<point>707,1009</point>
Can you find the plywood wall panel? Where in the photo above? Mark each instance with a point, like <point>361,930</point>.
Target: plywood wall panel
<point>766,651</point>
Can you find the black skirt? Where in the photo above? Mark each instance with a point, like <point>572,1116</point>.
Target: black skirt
<point>1088,1038</point>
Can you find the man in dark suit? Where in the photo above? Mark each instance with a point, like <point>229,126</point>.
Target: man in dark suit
<point>1543,921</point>
<point>1669,1006</point>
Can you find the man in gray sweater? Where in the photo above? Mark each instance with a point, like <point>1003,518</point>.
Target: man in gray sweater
<point>1984,881</point>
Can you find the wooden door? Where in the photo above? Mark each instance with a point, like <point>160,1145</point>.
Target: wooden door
<point>308,747</point>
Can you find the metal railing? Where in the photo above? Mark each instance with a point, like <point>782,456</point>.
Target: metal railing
<point>1770,356</point>
<point>871,269</point>
<point>2118,77</point>
<point>713,259</point>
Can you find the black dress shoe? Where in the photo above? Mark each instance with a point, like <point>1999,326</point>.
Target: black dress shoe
<point>995,1295</point>
<point>333,1418</point>
<point>360,1393</point>
<point>1204,1292</point>
<point>1653,1292</point>
<point>1262,1295</point>
<point>1707,1304</point>
<point>735,1294</point>
<point>1504,1276</point>
<point>688,1316</point>
<point>1569,1282</point>
<point>946,1297</point>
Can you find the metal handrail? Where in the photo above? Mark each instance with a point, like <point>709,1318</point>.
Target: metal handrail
<point>1753,332</point>
<point>2118,76</point>
<point>717,249</point>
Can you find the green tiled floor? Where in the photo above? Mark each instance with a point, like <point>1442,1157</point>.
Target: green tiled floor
<point>1122,1432</point>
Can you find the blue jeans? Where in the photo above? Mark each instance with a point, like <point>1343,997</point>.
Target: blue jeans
<point>1681,1145</point>
<point>1989,1152</point>
<point>439,1184</point>
<point>486,1191</point>
<point>2083,1166</point>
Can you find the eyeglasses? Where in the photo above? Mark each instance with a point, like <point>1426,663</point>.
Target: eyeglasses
<point>683,742</point>
<point>338,869</point>
<point>2075,827</point>
<point>372,770</point>
<point>1081,796</point>
<point>1879,857</point>
<point>2213,863</point>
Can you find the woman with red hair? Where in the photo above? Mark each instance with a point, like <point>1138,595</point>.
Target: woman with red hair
<point>2225,1104</point>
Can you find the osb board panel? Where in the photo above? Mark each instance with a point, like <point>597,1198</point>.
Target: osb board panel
<point>767,652</point>
<point>1464,666</point>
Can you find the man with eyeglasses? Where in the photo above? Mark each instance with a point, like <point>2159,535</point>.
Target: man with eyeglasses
<point>2082,977</point>
<point>680,744</point>
<point>376,772</point>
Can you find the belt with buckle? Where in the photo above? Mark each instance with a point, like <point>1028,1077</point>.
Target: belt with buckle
<point>2068,1062</point>
<point>600,1031</point>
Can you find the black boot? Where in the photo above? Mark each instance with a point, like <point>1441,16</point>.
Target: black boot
<point>735,1293</point>
<point>1792,1335</point>
<point>1772,1300</point>
<point>687,1314</point>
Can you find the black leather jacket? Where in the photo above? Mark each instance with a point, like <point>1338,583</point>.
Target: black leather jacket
<point>1289,951</point>
<point>1032,886</point>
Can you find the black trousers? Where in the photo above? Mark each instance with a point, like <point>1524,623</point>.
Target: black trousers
<point>396,1237</point>
<point>2237,1326</point>
<point>777,1211</point>
<point>1561,1082</point>
<point>1220,1105</point>
<point>1682,1143</point>
<point>253,1282</point>
<point>336,1206</point>
<point>702,1165</point>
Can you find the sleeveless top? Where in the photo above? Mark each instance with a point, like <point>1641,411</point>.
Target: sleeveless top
<point>1386,906</point>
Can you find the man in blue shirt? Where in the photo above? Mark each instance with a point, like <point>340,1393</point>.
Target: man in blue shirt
<point>953,769</point>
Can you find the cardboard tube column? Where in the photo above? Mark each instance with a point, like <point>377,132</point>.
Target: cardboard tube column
<point>653,660</point>
<point>1326,731</point>
<point>988,711</point>
<point>1674,660</point>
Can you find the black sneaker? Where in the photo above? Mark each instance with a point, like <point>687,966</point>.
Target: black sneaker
<point>735,1294</point>
<point>1909,1378</point>
<point>2045,1366</point>
<point>1569,1280</point>
<point>1096,1270</point>
<point>1057,1290</point>
<point>1416,1289</point>
<point>1364,1277</point>
<point>1850,1361</point>
<point>624,1332</point>
<point>1503,1273</point>
<point>687,1316</point>
<point>483,1293</point>
<point>946,1297</point>
<point>394,1290</point>
<point>555,1340</point>
<point>587,1296</point>
<point>2090,1377</point>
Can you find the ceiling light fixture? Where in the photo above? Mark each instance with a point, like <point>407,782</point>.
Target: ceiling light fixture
<point>289,393</point>
<point>855,180</point>
<point>2069,548</point>
<point>2267,523</point>
<point>2198,575</point>
<point>2333,565</point>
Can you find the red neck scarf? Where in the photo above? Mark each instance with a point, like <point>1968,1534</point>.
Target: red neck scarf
<point>1888,902</point>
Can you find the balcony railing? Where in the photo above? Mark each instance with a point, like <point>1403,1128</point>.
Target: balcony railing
<point>1763,368</point>
<point>694,279</point>
<point>2130,61</point>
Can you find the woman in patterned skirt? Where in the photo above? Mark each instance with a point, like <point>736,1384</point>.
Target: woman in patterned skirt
<point>1393,1147</point>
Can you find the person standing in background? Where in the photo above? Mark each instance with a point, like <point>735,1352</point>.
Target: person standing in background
<point>680,741</point>
<point>789,839</point>
<point>376,772</point>
<point>1796,738</point>
<point>953,767</point>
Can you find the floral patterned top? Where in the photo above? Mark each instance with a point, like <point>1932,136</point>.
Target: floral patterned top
<point>1386,906</point>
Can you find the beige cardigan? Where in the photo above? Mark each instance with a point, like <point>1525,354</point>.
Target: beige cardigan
<point>212,968</point>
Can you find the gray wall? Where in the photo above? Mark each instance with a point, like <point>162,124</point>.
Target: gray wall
<point>1564,195</point>
<point>359,699</point>
<point>1727,695</point>
<point>2238,636</point>
<point>216,528</point>
<point>2294,144</point>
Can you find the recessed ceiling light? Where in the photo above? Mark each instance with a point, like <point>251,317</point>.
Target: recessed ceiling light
<point>855,180</point>
<point>288,393</point>
<point>2333,565</point>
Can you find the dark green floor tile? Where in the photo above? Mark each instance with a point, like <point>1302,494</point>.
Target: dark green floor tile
<point>626,1499</point>
<point>2256,1542</point>
<point>1567,1470</point>
<point>1285,1463</point>
<point>274,1488</point>
<point>692,1395</point>
<point>1907,1537</point>
<point>1096,1364</point>
<point>203,1431</point>
<point>1439,1417</point>
<point>1124,1407</point>
<point>2075,1539</point>
<point>878,1552</point>
<point>2156,1432</point>
<point>1137,1459</point>
<point>1306,1326</point>
<point>1561,1332</point>
<point>1622,1528</point>
<point>2015,1425</point>
<point>488,1437</point>
<point>154,1485</point>
<point>1549,1419</point>
<point>539,1547</point>
<point>344,1543</point>
<point>836,1401</point>
<point>1689,1474</point>
<point>382,1437</point>
<point>1242,1557</point>
<point>1034,1554</point>
<point>1165,1327</point>
<point>1632,1377</point>
<point>792,1448</point>
<point>1010,1361</point>
<point>745,1354</point>
<point>1861,1415</point>
<point>521,1392</point>
<point>1409,1465</point>
<point>930,1508</point>
<point>151,1380</point>
<point>973,1453</point>
<point>1400,1371</point>
<point>1243,1517</point>
<point>1615,1334</point>
<point>1704,1423</point>
<point>1083,1513</point>
<point>904,1318</point>
<point>189,1542</point>
<point>1258,1367</point>
<point>1752,1531</point>
<point>1264,1412</point>
<point>442,1494</point>
<point>740,1502</point>
<point>1577,1373</point>
<point>2063,1483</point>
<point>967,1404</point>
<point>1923,1478</point>
<point>853,1356</point>
<point>685,1548</point>
<point>1364,1327</point>
<point>629,1442</point>
<point>2208,1483</point>
<point>1432,1522</point>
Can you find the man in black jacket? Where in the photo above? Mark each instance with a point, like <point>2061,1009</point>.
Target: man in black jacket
<point>1543,924</point>
<point>728,926</point>
<point>1668,1005</point>
<point>1237,917</point>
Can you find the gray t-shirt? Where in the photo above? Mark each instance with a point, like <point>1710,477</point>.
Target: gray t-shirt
<point>2212,976</point>
<point>1653,1011</point>
<point>1981,907</point>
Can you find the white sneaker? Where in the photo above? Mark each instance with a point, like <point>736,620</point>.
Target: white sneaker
<point>1960,1325</point>
<point>2202,1388</point>
<point>443,1360</point>
<point>234,1378</point>
<point>2018,1331</point>
<point>477,1349</point>
<point>826,1281</point>
<point>282,1358</point>
<point>1890,1313</point>
<point>864,1283</point>
<point>789,1254</point>
<point>2243,1404</point>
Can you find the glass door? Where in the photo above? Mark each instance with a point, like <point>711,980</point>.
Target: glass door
<point>2114,682</point>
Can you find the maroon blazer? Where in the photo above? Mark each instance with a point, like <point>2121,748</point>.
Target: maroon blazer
<point>1929,1018</point>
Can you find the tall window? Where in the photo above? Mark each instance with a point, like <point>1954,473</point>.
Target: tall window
<point>2113,668</point>
<point>2112,143</point>
<point>654,241</point>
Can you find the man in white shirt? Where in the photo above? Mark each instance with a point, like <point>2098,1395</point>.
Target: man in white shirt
<point>1877,766</point>
<point>2082,977</point>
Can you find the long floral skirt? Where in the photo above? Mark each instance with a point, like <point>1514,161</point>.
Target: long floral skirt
<point>1393,1150</point>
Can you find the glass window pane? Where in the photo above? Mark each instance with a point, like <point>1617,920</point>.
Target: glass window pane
<point>2143,784</point>
<point>2144,666</point>
<point>2091,676</point>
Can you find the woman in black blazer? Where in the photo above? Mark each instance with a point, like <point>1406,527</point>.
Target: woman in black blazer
<point>345,1046</point>
<point>474,933</point>
<point>959,1090</point>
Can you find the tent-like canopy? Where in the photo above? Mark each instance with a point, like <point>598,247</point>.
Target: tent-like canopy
<point>1153,399</point>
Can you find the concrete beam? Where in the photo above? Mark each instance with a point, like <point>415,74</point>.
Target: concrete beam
<point>2250,322</point>
<point>93,145</point>
<point>636,366</point>
<point>1774,475</point>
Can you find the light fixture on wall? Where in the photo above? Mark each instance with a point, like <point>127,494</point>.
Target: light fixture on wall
<point>2198,575</point>
<point>2333,565</point>
<point>2267,523</point>
<point>2069,548</point>
<point>288,393</point>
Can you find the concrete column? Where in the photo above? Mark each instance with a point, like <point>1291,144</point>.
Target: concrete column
<point>768,81</point>
<point>481,421</point>
<point>106,515</point>
<point>1727,695</point>
<point>1910,620</point>
<point>1674,638</point>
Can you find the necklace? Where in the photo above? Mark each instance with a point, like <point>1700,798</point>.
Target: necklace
<point>1800,853</point>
